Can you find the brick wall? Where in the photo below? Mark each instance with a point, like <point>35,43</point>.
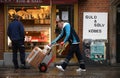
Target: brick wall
<point>91,6</point>
<point>1,31</point>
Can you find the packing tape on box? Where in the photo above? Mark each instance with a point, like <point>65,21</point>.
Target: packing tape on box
<point>46,49</point>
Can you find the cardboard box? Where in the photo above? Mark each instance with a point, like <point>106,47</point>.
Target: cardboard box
<point>37,55</point>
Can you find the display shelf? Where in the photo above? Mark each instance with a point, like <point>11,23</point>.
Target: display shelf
<point>33,22</point>
<point>29,22</point>
<point>31,45</point>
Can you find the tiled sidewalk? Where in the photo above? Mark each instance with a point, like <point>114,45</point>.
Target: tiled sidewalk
<point>52,72</point>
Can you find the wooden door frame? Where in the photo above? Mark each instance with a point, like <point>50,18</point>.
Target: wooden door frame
<point>112,31</point>
<point>53,23</point>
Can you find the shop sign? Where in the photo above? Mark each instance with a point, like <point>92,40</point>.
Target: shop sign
<point>40,1</point>
<point>95,25</point>
<point>65,15</point>
<point>97,51</point>
<point>21,1</point>
<point>64,1</point>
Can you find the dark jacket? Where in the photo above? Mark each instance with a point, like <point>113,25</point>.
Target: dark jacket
<point>16,30</point>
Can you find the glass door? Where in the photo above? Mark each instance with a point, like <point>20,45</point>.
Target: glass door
<point>65,13</point>
<point>118,36</point>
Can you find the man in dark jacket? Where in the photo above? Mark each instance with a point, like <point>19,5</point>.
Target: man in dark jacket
<point>16,34</point>
<point>70,36</point>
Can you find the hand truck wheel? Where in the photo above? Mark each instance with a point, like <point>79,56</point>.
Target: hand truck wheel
<point>42,67</point>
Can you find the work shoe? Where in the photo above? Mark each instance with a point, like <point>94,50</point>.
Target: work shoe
<point>79,70</point>
<point>16,67</point>
<point>23,67</point>
<point>60,68</point>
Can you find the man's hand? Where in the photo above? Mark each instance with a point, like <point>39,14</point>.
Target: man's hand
<point>49,45</point>
<point>62,43</point>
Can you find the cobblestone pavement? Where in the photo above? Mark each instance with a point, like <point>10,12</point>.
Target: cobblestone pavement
<point>52,72</point>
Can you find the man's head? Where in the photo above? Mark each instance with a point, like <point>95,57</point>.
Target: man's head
<point>15,16</point>
<point>60,23</point>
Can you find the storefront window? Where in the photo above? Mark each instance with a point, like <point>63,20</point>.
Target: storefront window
<point>36,21</point>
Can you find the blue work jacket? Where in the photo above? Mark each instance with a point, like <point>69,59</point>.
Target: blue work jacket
<point>69,33</point>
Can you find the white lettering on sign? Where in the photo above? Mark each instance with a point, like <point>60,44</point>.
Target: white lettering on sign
<point>95,25</point>
<point>36,0</point>
<point>21,1</point>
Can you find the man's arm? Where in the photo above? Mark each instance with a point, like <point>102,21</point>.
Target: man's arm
<point>58,37</point>
<point>67,31</point>
<point>22,32</point>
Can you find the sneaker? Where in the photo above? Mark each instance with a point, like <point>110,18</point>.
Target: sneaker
<point>79,69</point>
<point>60,68</point>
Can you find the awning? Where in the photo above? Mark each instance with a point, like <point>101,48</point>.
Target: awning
<point>41,1</point>
<point>62,1</point>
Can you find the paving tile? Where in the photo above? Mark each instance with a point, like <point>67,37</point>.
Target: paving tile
<point>52,72</point>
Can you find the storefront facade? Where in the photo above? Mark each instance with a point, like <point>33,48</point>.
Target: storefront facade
<point>39,20</point>
<point>38,17</point>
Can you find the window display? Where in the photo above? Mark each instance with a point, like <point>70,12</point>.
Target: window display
<point>36,21</point>
<point>41,13</point>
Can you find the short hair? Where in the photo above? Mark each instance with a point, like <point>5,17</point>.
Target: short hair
<point>15,16</point>
<point>59,21</point>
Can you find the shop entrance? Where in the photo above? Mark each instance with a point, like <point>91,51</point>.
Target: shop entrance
<point>118,35</point>
<point>65,13</point>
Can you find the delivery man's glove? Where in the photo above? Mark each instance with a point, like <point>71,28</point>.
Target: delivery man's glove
<point>62,43</point>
